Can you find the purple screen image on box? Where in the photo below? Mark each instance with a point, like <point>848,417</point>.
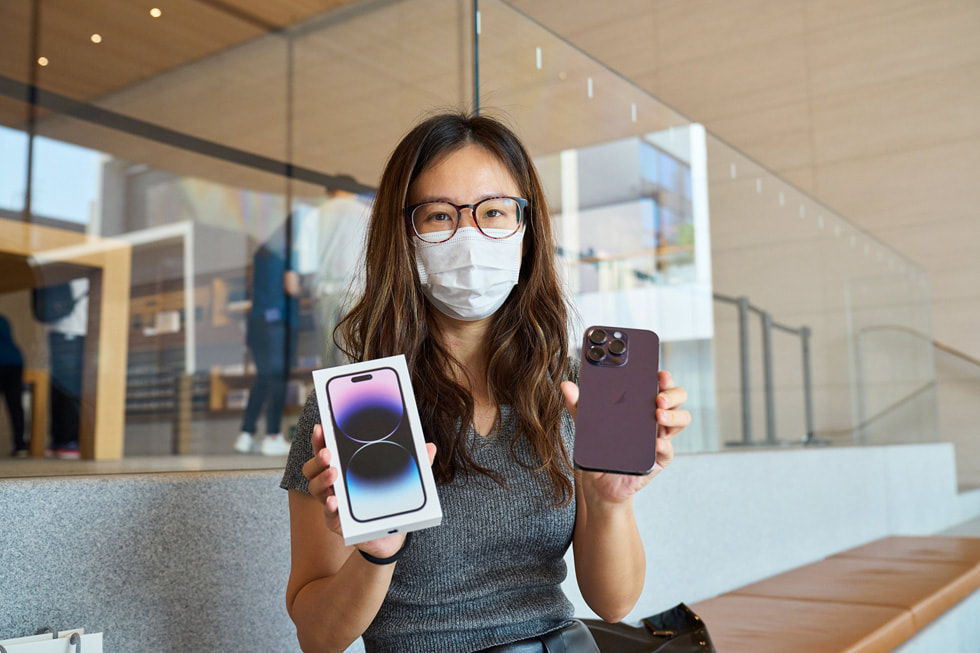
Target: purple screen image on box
<point>367,407</point>
<point>380,472</point>
<point>383,479</point>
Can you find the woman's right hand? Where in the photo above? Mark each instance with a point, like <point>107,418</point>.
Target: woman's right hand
<point>332,594</point>
<point>322,476</point>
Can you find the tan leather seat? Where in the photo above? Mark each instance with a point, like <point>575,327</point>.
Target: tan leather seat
<point>756,624</point>
<point>907,547</point>
<point>867,599</point>
<point>926,589</point>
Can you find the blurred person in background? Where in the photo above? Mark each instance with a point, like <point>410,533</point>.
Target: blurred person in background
<point>271,334</point>
<point>342,228</point>
<point>12,386</point>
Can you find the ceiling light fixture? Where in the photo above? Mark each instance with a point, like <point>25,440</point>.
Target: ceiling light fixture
<point>155,12</point>
<point>96,38</point>
<point>42,61</point>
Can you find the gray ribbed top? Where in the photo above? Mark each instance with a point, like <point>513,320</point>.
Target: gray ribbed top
<point>490,573</point>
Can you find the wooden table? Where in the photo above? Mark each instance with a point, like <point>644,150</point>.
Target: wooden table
<point>58,255</point>
<point>39,381</point>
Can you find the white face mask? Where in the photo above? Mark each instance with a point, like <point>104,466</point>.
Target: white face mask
<point>469,276</point>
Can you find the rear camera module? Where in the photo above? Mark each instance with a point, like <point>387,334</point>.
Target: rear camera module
<point>606,346</point>
<point>597,336</point>
<point>596,354</point>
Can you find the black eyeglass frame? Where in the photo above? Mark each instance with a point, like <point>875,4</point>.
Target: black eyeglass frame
<point>521,203</point>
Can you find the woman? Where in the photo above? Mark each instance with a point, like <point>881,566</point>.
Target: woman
<point>461,278</point>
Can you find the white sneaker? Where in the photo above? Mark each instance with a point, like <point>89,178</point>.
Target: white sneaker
<point>245,443</point>
<point>274,445</point>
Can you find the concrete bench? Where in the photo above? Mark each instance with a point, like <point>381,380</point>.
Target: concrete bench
<point>867,599</point>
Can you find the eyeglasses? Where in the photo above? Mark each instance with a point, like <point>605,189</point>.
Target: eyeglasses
<point>495,217</point>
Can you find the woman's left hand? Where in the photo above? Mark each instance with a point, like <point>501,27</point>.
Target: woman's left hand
<point>671,420</point>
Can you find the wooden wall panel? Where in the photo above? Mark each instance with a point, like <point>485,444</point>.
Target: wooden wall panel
<point>743,80</point>
<point>778,135</point>
<point>910,113</point>
<point>689,30</point>
<point>900,41</point>
<point>906,187</point>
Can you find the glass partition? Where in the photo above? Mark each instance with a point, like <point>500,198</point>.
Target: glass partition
<point>760,293</point>
<point>957,387</point>
<point>625,179</point>
<point>211,143</point>
<point>807,266</point>
<point>226,149</point>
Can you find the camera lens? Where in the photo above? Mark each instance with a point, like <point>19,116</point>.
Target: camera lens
<point>596,354</point>
<point>597,336</point>
<point>617,347</point>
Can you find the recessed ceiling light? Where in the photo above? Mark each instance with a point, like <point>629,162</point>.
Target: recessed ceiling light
<point>96,38</point>
<point>155,12</point>
<point>42,61</point>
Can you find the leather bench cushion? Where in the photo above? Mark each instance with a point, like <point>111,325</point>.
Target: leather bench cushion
<point>925,588</point>
<point>932,548</point>
<point>758,624</point>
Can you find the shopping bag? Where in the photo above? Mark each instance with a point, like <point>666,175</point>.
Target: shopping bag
<point>65,641</point>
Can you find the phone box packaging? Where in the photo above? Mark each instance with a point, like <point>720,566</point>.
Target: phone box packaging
<point>372,429</point>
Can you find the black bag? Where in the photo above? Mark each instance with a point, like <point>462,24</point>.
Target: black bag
<point>52,303</point>
<point>678,630</point>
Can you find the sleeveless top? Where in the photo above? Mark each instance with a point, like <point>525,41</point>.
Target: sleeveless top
<point>491,573</point>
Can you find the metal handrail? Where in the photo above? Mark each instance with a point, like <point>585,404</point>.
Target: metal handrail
<point>883,412</point>
<point>768,324</point>
<point>922,336</point>
<point>864,420</point>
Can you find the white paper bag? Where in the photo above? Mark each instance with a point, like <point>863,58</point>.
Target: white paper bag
<point>45,643</point>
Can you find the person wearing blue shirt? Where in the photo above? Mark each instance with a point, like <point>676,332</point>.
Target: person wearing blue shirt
<point>271,334</point>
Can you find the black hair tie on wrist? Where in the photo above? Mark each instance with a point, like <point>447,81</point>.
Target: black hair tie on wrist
<point>390,559</point>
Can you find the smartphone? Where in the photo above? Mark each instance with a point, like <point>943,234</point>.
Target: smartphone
<point>616,428</point>
<point>374,443</point>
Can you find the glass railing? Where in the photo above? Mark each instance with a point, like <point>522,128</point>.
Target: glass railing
<point>958,387</point>
<point>645,248</point>
<point>199,137</point>
<point>943,407</point>
<point>194,152</point>
<point>807,265</point>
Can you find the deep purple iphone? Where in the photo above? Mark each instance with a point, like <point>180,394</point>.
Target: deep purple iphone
<point>374,441</point>
<point>616,428</point>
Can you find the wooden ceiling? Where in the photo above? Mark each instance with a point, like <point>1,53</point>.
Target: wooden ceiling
<point>327,85</point>
<point>135,46</point>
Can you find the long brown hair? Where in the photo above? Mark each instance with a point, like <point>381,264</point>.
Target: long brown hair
<point>527,347</point>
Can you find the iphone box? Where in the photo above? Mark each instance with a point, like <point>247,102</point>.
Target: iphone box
<point>372,429</point>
